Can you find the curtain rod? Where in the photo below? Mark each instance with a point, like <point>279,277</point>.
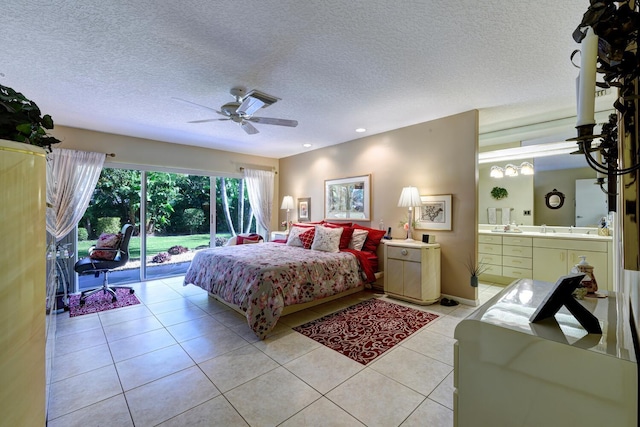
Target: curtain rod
<point>109,154</point>
<point>242,169</point>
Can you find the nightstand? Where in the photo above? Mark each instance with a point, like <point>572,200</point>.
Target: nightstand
<point>279,235</point>
<point>412,271</point>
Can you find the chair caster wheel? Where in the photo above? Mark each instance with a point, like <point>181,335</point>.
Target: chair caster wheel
<point>81,303</point>
<point>131,291</point>
<point>114,299</point>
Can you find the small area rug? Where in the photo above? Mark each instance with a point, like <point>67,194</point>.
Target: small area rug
<point>100,302</point>
<point>366,330</point>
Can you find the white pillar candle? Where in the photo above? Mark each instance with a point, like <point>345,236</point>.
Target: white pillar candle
<point>587,82</point>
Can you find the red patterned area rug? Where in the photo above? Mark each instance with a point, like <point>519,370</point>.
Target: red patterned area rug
<point>100,302</point>
<point>366,330</point>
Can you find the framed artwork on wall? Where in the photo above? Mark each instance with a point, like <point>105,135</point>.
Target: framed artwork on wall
<point>304,209</point>
<point>348,198</point>
<point>434,213</point>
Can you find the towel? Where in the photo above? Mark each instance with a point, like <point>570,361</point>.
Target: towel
<point>506,216</point>
<point>491,213</point>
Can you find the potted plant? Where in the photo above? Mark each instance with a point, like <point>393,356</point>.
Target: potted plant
<point>475,270</point>
<point>499,193</point>
<point>22,121</point>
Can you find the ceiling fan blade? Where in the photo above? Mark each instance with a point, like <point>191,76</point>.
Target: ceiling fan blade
<point>249,106</point>
<point>206,120</point>
<point>272,121</point>
<point>197,105</point>
<point>249,128</point>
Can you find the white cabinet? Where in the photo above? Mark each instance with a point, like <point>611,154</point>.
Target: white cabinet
<point>517,256</point>
<point>412,271</point>
<point>490,253</point>
<point>553,258</point>
<point>509,372</point>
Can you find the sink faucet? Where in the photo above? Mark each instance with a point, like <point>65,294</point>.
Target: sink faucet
<point>543,228</point>
<point>571,229</point>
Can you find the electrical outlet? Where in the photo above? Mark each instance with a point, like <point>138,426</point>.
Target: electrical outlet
<point>526,213</point>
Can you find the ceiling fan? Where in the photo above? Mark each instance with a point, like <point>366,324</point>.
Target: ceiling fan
<point>242,109</point>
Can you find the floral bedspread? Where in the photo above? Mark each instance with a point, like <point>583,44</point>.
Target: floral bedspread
<point>263,278</point>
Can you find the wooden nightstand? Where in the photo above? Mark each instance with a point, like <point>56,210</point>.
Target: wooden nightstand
<point>412,271</point>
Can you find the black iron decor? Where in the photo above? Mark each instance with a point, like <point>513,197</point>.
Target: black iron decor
<point>617,26</point>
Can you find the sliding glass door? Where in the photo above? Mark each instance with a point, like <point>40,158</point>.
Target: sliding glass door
<point>183,213</point>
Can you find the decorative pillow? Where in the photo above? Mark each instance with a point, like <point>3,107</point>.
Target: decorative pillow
<point>373,238</point>
<point>293,239</point>
<point>358,239</point>
<point>307,238</point>
<point>341,224</point>
<point>327,239</point>
<point>244,240</point>
<point>347,232</point>
<point>106,241</point>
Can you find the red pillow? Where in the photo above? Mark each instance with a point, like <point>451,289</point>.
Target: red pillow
<point>373,238</point>
<point>347,233</point>
<point>307,238</point>
<point>341,224</point>
<point>106,241</point>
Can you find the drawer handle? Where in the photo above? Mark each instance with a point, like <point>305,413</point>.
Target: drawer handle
<point>516,262</point>
<point>404,252</point>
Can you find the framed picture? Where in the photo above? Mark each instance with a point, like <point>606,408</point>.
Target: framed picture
<point>435,213</point>
<point>348,198</point>
<point>304,209</point>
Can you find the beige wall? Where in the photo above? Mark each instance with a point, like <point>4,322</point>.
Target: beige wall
<point>438,157</point>
<point>135,152</point>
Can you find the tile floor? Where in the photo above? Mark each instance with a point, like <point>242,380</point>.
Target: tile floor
<point>182,359</point>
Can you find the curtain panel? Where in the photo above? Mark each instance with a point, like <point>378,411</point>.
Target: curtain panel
<point>71,178</point>
<point>260,191</point>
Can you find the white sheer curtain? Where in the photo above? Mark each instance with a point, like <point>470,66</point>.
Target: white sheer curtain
<point>260,190</point>
<point>71,178</point>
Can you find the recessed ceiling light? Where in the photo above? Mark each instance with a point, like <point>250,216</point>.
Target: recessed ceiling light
<point>360,130</point>
<point>306,145</point>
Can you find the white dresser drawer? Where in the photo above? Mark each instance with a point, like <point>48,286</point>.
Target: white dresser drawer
<point>523,251</point>
<point>517,241</point>
<point>489,238</point>
<point>489,248</point>
<point>403,253</point>
<point>496,270</point>
<point>510,261</point>
<point>490,259</point>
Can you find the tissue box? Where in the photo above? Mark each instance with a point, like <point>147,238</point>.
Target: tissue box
<point>603,231</point>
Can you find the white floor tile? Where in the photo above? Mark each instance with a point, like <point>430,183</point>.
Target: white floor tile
<point>110,412</point>
<point>151,366</point>
<point>271,398</point>
<point>167,397</point>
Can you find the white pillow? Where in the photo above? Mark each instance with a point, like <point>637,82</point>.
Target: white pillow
<point>358,239</point>
<point>293,239</point>
<point>327,239</point>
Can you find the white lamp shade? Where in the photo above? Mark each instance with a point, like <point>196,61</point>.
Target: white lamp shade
<point>526,168</point>
<point>409,198</point>
<point>510,170</point>
<point>287,202</point>
<point>496,172</point>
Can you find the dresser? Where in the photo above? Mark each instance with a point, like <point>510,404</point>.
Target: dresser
<point>509,372</point>
<point>412,271</point>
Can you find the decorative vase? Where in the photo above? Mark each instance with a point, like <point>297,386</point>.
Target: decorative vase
<point>474,281</point>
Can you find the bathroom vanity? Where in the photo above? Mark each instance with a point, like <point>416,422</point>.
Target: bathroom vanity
<point>543,253</point>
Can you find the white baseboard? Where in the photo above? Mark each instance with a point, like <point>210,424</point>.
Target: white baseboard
<point>472,303</point>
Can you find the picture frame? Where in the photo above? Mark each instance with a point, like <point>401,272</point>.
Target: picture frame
<point>304,209</point>
<point>434,213</point>
<point>348,198</point>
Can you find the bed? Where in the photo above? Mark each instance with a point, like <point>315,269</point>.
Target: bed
<point>267,280</point>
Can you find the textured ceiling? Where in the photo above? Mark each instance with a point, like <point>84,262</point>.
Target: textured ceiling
<point>115,66</point>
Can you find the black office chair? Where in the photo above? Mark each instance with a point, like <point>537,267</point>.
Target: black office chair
<point>90,265</point>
